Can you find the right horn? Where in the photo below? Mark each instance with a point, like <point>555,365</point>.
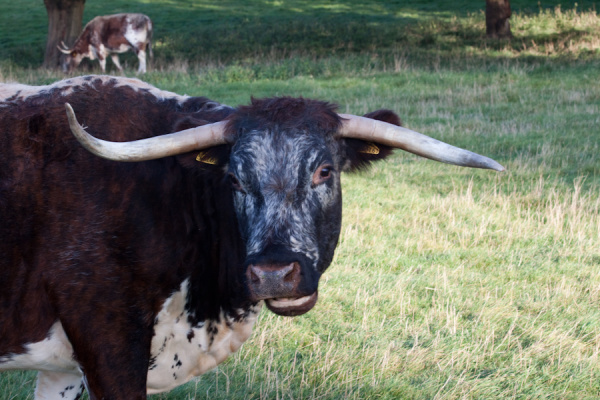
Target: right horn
<point>375,131</point>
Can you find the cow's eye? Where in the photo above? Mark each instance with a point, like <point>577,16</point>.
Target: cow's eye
<point>322,174</point>
<point>235,183</point>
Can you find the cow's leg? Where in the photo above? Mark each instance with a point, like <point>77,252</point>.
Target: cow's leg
<point>111,343</point>
<point>142,58</point>
<point>115,60</point>
<point>115,367</point>
<point>102,61</point>
<point>58,386</point>
<point>98,51</point>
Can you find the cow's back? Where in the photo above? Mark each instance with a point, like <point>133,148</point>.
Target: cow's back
<point>119,30</point>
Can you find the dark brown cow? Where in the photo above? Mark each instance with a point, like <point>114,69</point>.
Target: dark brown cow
<point>133,277</point>
<point>111,35</point>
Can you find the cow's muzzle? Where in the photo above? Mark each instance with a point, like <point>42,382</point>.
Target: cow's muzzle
<point>278,285</point>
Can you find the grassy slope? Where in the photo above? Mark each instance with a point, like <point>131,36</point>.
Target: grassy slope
<point>448,282</point>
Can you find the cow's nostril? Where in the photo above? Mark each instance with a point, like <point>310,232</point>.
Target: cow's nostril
<point>287,270</point>
<point>292,272</point>
<point>255,274</point>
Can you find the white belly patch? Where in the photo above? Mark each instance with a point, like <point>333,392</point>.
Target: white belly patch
<point>53,354</point>
<point>181,351</point>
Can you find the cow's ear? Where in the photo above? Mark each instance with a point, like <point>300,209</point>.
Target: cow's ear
<point>213,158</point>
<point>360,154</point>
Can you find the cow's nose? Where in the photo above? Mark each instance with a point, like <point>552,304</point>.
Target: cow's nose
<point>261,274</point>
<point>268,281</point>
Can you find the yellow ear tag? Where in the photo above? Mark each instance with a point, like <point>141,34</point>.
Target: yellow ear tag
<point>204,158</point>
<point>370,149</point>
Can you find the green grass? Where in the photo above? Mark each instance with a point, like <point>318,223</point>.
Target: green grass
<point>448,283</point>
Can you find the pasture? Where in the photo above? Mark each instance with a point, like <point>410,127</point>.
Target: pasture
<point>448,283</point>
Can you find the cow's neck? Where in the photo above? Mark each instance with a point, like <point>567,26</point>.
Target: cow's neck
<point>206,318</point>
<point>215,255</point>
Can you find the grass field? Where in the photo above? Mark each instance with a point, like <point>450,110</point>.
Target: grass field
<point>448,283</point>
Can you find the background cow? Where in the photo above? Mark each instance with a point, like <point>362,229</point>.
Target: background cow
<point>111,34</point>
<point>134,277</point>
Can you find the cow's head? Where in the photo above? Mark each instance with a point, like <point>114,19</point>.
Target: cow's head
<point>72,58</point>
<point>285,169</point>
<point>283,163</point>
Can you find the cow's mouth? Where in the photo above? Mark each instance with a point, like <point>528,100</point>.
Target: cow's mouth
<point>291,307</point>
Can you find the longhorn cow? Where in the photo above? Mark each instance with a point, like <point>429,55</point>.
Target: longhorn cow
<point>111,35</point>
<point>138,267</point>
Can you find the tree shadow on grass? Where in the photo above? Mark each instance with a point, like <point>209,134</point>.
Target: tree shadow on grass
<point>201,32</point>
<point>318,29</point>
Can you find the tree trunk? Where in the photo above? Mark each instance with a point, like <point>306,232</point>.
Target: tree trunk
<point>64,24</point>
<point>497,13</point>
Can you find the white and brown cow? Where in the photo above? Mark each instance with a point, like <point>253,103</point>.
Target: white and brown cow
<point>111,35</point>
<point>132,272</point>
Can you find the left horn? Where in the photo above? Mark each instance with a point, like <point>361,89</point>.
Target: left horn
<point>200,137</point>
<point>396,136</point>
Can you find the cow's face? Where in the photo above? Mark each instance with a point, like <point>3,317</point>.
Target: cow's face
<point>284,170</point>
<point>72,61</point>
<point>288,203</point>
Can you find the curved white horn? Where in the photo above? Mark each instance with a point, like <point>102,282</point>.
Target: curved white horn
<point>396,136</point>
<point>64,49</point>
<point>197,138</point>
